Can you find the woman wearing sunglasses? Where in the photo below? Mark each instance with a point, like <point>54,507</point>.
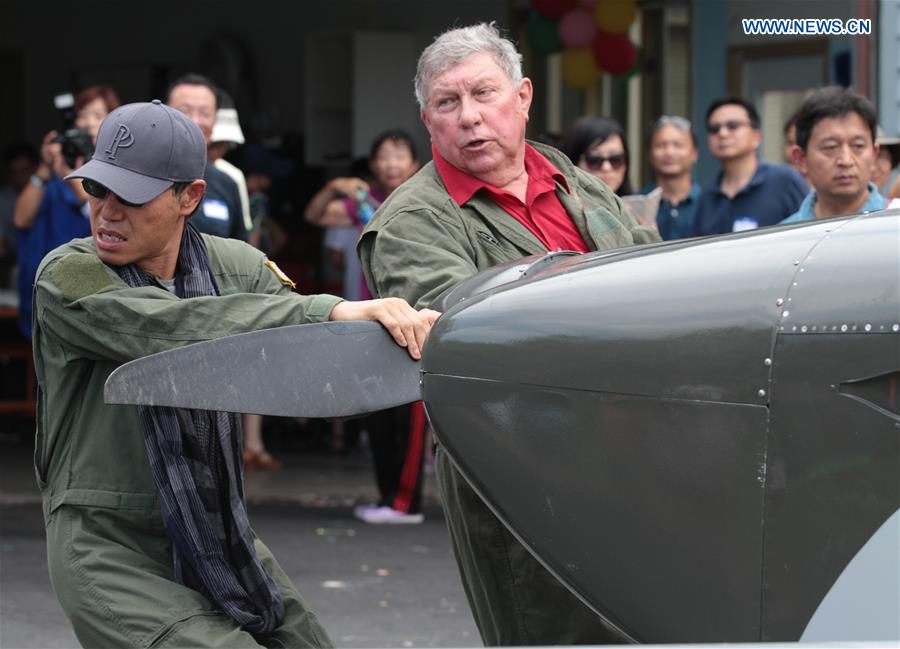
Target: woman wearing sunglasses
<point>597,145</point>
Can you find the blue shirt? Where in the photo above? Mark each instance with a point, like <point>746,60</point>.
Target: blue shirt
<point>774,193</point>
<point>676,221</point>
<point>220,213</point>
<point>58,221</point>
<point>807,207</point>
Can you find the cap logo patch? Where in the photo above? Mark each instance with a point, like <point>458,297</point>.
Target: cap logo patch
<point>122,139</point>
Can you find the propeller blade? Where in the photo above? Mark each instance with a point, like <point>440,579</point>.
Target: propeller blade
<point>329,369</point>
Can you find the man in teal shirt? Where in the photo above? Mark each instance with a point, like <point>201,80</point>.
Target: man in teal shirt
<point>673,154</point>
<point>836,151</point>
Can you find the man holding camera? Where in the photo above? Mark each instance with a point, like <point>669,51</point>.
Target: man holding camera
<point>50,211</point>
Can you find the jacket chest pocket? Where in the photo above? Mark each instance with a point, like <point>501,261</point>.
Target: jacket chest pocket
<point>490,251</point>
<point>487,239</point>
<point>606,230</point>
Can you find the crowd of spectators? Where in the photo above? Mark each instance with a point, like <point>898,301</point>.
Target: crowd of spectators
<point>39,211</point>
<point>832,147</point>
<point>835,161</point>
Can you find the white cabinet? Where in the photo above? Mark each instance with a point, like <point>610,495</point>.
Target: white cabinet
<point>356,86</point>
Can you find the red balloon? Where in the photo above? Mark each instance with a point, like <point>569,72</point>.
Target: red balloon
<point>576,29</point>
<point>552,8</point>
<point>614,53</point>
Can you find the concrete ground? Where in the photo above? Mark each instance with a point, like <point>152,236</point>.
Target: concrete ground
<point>372,586</point>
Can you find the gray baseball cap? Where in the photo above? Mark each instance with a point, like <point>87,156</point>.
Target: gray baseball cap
<point>143,149</point>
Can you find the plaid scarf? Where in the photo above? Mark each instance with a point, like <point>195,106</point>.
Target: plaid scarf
<point>196,458</point>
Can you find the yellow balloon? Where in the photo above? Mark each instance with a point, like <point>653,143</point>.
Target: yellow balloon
<point>615,16</point>
<point>578,67</point>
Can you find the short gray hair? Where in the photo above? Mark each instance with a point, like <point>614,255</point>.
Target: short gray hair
<point>456,45</point>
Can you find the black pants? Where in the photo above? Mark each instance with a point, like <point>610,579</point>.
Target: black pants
<point>397,438</point>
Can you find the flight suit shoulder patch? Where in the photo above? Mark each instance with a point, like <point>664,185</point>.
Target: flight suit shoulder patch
<point>80,274</point>
<point>284,279</point>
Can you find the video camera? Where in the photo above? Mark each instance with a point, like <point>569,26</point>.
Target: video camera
<point>76,142</point>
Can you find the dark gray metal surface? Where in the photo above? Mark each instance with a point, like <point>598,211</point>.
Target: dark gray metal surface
<point>496,277</point>
<point>499,276</point>
<point>834,443</point>
<point>614,411</point>
<point>849,281</point>
<point>649,509</point>
<point>673,321</point>
<point>833,469</point>
<point>356,368</point>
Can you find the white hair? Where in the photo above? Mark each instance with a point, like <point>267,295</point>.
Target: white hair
<point>456,45</point>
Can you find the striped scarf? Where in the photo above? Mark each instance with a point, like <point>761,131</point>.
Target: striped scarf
<point>196,459</point>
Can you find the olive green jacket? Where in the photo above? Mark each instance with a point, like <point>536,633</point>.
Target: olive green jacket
<point>108,553</point>
<point>420,242</point>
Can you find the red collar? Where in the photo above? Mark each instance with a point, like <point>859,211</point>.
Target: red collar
<point>542,175</point>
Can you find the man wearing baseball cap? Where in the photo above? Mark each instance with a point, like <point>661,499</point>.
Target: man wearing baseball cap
<point>147,535</point>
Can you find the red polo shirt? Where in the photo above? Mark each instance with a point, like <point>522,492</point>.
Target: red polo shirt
<point>541,213</point>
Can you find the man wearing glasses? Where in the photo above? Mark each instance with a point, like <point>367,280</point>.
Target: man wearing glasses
<point>148,541</point>
<point>673,154</point>
<point>748,193</point>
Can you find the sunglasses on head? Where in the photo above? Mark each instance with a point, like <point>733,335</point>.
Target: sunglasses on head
<point>731,125</point>
<point>95,189</point>
<point>595,162</point>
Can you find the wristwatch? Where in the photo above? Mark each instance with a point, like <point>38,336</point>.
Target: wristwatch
<point>37,181</point>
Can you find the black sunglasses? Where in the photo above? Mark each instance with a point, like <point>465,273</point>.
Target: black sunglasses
<point>595,162</point>
<point>731,125</point>
<point>95,189</point>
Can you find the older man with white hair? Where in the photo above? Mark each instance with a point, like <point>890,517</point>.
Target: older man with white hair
<point>489,197</point>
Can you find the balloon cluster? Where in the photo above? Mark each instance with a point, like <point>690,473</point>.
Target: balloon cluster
<point>591,34</point>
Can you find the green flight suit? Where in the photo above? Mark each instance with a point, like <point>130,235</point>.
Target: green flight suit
<point>421,243</point>
<point>109,558</point>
